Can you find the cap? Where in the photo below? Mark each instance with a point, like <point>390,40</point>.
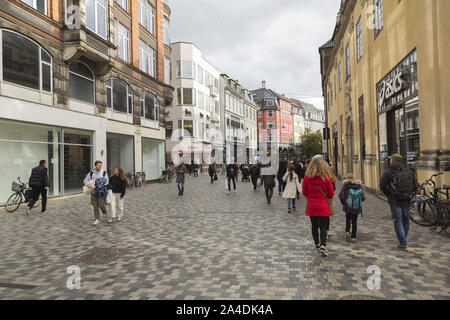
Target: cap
<point>317,156</point>
<point>396,157</point>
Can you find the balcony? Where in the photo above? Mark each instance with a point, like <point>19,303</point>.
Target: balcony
<point>214,91</point>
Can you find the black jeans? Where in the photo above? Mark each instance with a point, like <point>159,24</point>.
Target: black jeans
<point>36,191</point>
<point>353,219</point>
<point>255,182</point>
<point>269,194</point>
<point>212,179</point>
<point>281,186</point>
<point>232,178</point>
<point>320,223</point>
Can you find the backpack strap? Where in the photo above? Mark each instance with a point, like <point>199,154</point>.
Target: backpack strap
<point>104,174</point>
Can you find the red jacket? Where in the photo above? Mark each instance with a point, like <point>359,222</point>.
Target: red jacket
<point>317,204</point>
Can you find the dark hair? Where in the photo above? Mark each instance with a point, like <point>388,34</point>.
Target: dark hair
<point>291,172</point>
<point>41,163</point>
<point>97,162</point>
<point>122,175</point>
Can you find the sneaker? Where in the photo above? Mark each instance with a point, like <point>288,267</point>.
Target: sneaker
<point>401,247</point>
<point>96,222</point>
<point>353,240</point>
<point>323,251</point>
<point>229,192</point>
<point>118,220</point>
<point>347,236</point>
<point>110,221</point>
<point>28,211</point>
<point>289,211</point>
<point>45,211</point>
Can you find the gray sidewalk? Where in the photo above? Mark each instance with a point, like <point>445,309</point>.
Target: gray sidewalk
<point>210,245</point>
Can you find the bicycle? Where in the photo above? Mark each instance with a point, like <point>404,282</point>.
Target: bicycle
<point>131,180</point>
<point>166,177</point>
<point>22,193</point>
<point>428,209</point>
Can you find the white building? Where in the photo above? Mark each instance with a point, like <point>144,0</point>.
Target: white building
<point>250,125</point>
<point>196,107</point>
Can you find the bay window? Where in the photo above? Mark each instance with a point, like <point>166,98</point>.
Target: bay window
<point>39,5</point>
<point>96,16</point>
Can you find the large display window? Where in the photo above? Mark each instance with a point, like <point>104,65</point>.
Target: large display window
<point>153,158</point>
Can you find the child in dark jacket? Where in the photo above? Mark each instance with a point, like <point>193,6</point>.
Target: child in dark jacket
<point>351,197</point>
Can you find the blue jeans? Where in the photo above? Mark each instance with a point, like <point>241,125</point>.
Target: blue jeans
<point>180,187</point>
<point>289,203</point>
<point>401,223</point>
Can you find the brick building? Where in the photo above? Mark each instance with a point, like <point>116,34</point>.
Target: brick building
<point>82,80</point>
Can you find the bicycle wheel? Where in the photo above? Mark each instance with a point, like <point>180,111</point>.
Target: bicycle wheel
<point>13,202</point>
<point>421,215</point>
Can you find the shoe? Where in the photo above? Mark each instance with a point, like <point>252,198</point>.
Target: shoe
<point>45,211</point>
<point>347,236</point>
<point>323,251</point>
<point>229,192</point>
<point>318,247</point>
<point>28,211</point>
<point>353,240</point>
<point>328,235</point>
<point>401,247</point>
<point>289,211</point>
<point>110,221</point>
<point>118,220</point>
<point>96,222</point>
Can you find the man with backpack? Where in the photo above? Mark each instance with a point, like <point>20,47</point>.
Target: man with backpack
<point>39,185</point>
<point>97,180</point>
<point>398,184</point>
<point>351,197</point>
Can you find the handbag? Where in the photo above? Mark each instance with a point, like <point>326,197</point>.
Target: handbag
<point>215,177</point>
<point>108,199</point>
<point>86,189</point>
<point>330,201</point>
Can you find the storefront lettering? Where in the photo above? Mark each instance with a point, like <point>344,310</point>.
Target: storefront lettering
<point>391,87</point>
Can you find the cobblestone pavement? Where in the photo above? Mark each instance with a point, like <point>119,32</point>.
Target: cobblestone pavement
<point>210,245</point>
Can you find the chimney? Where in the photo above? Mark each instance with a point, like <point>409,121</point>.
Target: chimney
<point>263,84</point>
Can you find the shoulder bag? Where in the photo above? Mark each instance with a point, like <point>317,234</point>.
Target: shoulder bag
<point>330,201</point>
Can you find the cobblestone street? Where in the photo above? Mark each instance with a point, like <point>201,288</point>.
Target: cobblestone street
<point>210,245</point>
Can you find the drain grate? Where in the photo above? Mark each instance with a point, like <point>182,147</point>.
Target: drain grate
<point>17,286</point>
<point>361,297</point>
<point>98,256</point>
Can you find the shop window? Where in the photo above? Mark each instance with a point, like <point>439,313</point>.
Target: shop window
<point>39,5</point>
<point>149,106</point>
<point>81,83</point>
<point>119,96</point>
<point>25,63</point>
<point>96,16</point>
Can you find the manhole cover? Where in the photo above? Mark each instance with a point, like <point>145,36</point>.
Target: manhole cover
<point>360,297</point>
<point>98,256</point>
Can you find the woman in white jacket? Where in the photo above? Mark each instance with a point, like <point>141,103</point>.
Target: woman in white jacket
<point>292,185</point>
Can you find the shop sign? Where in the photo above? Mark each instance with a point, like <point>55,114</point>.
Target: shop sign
<point>391,87</point>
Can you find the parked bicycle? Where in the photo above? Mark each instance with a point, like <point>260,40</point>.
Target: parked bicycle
<point>22,194</point>
<point>131,180</point>
<point>166,176</point>
<point>429,208</point>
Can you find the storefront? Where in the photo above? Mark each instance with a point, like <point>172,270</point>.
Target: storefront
<point>398,113</point>
<point>153,158</point>
<point>68,153</point>
<point>120,153</point>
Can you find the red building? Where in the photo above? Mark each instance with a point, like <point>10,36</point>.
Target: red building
<point>275,116</point>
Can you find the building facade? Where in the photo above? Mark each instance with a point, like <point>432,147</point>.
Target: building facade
<point>196,110</point>
<point>386,87</point>
<point>298,117</point>
<point>250,126</point>
<point>82,80</point>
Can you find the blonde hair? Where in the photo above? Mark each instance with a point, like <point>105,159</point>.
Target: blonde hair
<point>319,167</point>
<point>350,177</point>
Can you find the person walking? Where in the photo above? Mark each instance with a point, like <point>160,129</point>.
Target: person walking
<point>97,180</point>
<point>212,172</point>
<point>180,171</point>
<point>39,185</point>
<point>282,168</point>
<point>231,176</point>
<point>292,186</point>
<point>318,189</point>
<point>237,166</point>
<point>351,197</point>
<point>300,171</point>
<point>196,167</point>
<point>255,173</point>
<point>398,184</point>
<point>118,184</point>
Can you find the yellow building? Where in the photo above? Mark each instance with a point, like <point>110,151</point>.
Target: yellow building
<point>386,85</point>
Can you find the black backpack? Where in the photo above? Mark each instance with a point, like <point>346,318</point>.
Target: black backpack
<point>402,184</point>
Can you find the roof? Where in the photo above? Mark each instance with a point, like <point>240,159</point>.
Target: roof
<point>263,95</point>
<point>328,44</point>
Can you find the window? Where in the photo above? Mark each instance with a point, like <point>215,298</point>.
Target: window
<point>166,31</point>
<point>119,96</point>
<point>96,16</point>
<point>147,16</point>
<point>185,69</point>
<point>270,124</point>
<point>123,43</point>
<point>123,4</point>
<point>335,87</point>
<point>166,70</point>
<point>270,113</point>
<point>347,60</point>
<point>81,83</point>
<point>259,114</point>
<point>340,76</point>
<point>378,16</point>
<point>149,106</point>
<point>25,63</point>
<point>269,103</point>
<point>201,100</point>
<point>147,59</point>
<point>188,96</point>
<point>200,74</point>
<point>359,39</point>
<point>39,5</point>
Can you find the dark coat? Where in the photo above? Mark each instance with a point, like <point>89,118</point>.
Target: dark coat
<point>39,177</point>
<point>281,171</point>
<point>180,171</point>
<point>343,195</point>
<point>269,181</point>
<point>386,181</point>
<point>211,170</point>
<point>255,172</point>
<point>117,185</point>
<point>231,167</point>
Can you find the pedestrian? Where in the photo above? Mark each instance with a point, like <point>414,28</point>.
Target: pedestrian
<point>196,167</point>
<point>39,185</point>
<point>212,172</point>
<point>180,171</point>
<point>292,186</point>
<point>255,173</point>
<point>236,164</point>
<point>268,178</point>
<point>97,180</point>
<point>300,171</point>
<point>351,197</point>
<point>282,168</point>
<point>398,183</point>
<point>318,190</point>
<point>118,184</point>
<point>231,176</point>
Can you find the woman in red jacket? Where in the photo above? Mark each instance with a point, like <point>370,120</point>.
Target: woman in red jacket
<point>317,187</point>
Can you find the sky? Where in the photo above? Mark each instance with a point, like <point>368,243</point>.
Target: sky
<point>254,40</point>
